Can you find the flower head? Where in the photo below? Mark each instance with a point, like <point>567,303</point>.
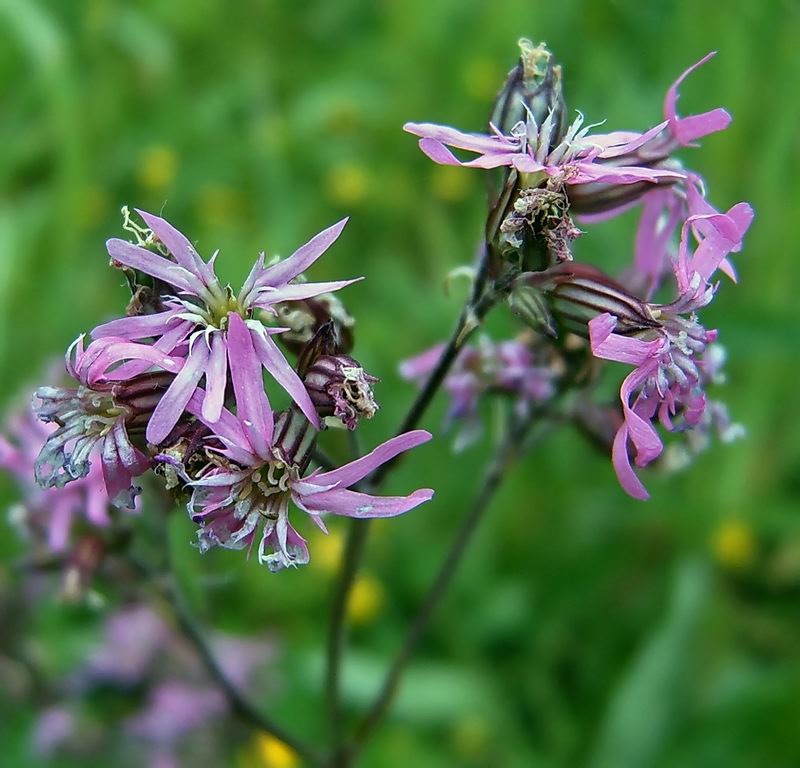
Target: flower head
<point>340,387</point>
<point>250,483</point>
<point>512,368</point>
<point>670,356</point>
<point>595,176</point>
<point>576,159</point>
<point>94,418</point>
<point>198,319</point>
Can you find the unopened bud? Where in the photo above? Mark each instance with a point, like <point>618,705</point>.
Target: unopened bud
<point>531,95</point>
<point>530,305</point>
<point>577,293</point>
<point>304,318</point>
<point>532,87</point>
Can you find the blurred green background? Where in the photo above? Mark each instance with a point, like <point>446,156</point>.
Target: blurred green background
<point>584,628</point>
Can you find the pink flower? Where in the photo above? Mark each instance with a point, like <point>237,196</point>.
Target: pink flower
<point>666,206</point>
<point>669,366</point>
<point>253,481</point>
<point>603,175</point>
<point>198,320</point>
<point>505,368</point>
<point>575,160</point>
<point>93,419</point>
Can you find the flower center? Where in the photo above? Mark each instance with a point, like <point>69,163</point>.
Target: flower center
<point>266,487</point>
<point>99,411</point>
<point>216,307</point>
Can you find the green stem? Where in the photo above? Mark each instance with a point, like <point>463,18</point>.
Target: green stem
<point>505,455</point>
<point>166,580</point>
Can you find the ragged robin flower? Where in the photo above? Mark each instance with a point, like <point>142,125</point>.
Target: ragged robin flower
<point>671,356</point>
<point>249,483</point>
<point>593,176</point>
<point>198,316</point>
<point>513,368</point>
<point>95,418</point>
<point>48,515</point>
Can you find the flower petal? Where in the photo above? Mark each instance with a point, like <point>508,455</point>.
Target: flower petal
<point>362,505</point>
<point>138,327</point>
<point>687,129</point>
<point>622,466</point>
<point>113,352</point>
<point>613,346</point>
<point>216,378</point>
<point>173,403</point>
<point>179,246</point>
<point>438,152</point>
<point>357,470</point>
<point>252,405</point>
<point>421,365</point>
<point>267,296</point>
<point>166,344</point>
<point>281,273</point>
<point>278,367</point>
<point>473,142</point>
<point>130,255</point>
<point>588,172</point>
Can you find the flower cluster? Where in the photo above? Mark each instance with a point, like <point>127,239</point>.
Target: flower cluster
<point>552,171</point>
<point>176,386</point>
<point>515,368</point>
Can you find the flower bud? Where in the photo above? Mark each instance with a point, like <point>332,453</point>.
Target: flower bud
<point>339,387</point>
<point>304,318</point>
<point>531,306</point>
<point>577,293</point>
<point>532,87</point>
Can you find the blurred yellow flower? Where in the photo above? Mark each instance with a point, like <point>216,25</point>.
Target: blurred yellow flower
<point>470,736</point>
<point>157,167</point>
<point>483,79</point>
<point>327,552</point>
<point>734,545</point>
<point>366,600</point>
<point>347,184</point>
<point>95,203</point>
<point>343,117</point>
<point>218,204</point>
<point>272,753</point>
<point>450,184</point>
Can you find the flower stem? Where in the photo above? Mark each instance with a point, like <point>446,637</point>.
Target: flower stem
<point>505,455</point>
<point>353,554</point>
<point>470,319</point>
<point>240,705</point>
<point>476,308</point>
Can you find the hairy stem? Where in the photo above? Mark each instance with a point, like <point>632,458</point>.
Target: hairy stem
<point>504,456</point>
